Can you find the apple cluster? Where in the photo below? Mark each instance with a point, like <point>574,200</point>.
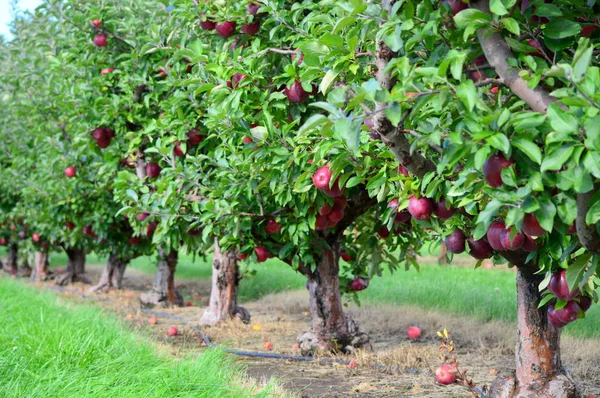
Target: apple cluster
<point>575,301</point>
<point>103,136</point>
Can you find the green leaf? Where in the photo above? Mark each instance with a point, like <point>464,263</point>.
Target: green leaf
<point>512,26</point>
<point>560,120</point>
<point>471,17</point>
<point>394,113</point>
<point>557,157</point>
<point>467,93</point>
<point>497,7</point>
<point>545,300</point>
<point>530,149</point>
<point>500,142</point>
<point>313,122</point>
<point>561,28</point>
<point>546,214</point>
<point>329,78</point>
<point>581,64</point>
<point>593,214</point>
<point>576,270</point>
<point>132,194</point>
<point>353,181</point>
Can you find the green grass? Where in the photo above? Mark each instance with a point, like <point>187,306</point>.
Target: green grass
<point>51,348</point>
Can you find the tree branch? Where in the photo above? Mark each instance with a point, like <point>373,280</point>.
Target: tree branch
<point>355,208</point>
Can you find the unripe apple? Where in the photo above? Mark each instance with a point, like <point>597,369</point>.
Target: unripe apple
<point>70,172</point>
<point>358,284</point>
<point>560,288</point>
<point>194,137</point>
<point>402,217</point>
<point>207,24</point>
<point>553,318</point>
<point>272,227</point>
<point>569,313</point>
<point>142,216</point>
<point>493,235</point>
<point>345,256</point>
<point>479,249</point>
<point>296,93</point>
<point>383,232</point>
<point>100,41</point>
<point>492,169</point>
<point>455,242</point>
<point>445,374</point>
<point>35,237</point>
<point>262,254</point>
<point>584,302</point>
<point>225,29</point>
<point>322,177</point>
<point>509,243</point>
<point>441,210</point>
<point>153,170</point>
<point>251,28</point>
<point>420,208</point>
<point>531,226</point>
<point>172,331</point>
<point>413,332</point>
<point>106,71</point>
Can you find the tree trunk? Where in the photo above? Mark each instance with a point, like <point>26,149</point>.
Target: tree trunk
<point>539,372</point>
<point>332,330</point>
<point>442,257</point>
<point>40,268</point>
<point>25,268</point>
<point>112,276</point>
<point>163,291</point>
<point>75,268</point>
<point>12,258</point>
<point>224,290</point>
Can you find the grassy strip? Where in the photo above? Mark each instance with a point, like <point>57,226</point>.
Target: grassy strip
<point>52,348</point>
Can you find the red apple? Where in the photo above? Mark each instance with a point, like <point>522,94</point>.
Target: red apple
<point>189,304</point>
<point>531,226</point>
<point>150,228</point>
<point>253,8</point>
<point>70,172</point>
<point>494,90</point>
<point>194,137</point>
<point>492,169</point>
<point>172,331</point>
<point>262,254</point>
<point>420,208</point>
<point>134,240</point>
<point>477,76</point>
<point>322,177</point>
<point>569,313</point>
<point>535,44</point>
<point>553,318</point>
<point>383,232</point>
<point>272,227</point>
<point>321,223</point>
<point>529,244</point>
<point>153,170</point>
<point>334,191</point>
<point>325,209</point>
<point>456,6</point>
<point>242,256</point>
<point>413,332</point>
<point>340,202</point>
<point>97,23</point>
<point>560,288</point>
<point>358,284</point>
<point>268,346</point>
<point>22,234</point>
<point>402,217</point>
<point>35,237</point>
<point>445,374</point>
<point>455,242</point>
<point>479,249</point>
<point>345,256</point>
<point>3,241</point>
<point>177,151</point>
<point>251,28</point>
<point>153,320</point>
<point>493,235</point>
<point>296,93</point>
<point>142,216</point>
<point>106,71</point>
<point>100,41</point>
<point>69,225</point>
<point>584,302</point>
<point>393,204</point>
<point>441,209</point>
<point>225,29</point>
<point>207,24</point>
<point>509,243</point>
<point>300,58</point>
<point>403,170</point>
<point>587,30</point>
<point>335,215</point>
<point>235,80</point>
<point>88,230</point>
<point>247,140</point>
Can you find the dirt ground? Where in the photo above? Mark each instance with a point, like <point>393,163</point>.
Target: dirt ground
<point>485,350</point>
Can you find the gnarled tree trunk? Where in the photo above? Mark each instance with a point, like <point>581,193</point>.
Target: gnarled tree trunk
<point>12,259</point>
<point>163,291</point>
<point>539,372</point>
<point>224,290</point>
<point>332,329</point>
<point>112,276</point>
<point>40,267</point>
<point>75,268</point>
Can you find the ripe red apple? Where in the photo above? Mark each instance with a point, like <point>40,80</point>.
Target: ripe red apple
<point>106,71</point>
<point>413,332</point>
<point>296,93</point>
<point>531,226</point>
<point>335,216</point>
<point>153,170</point>
<point>225,29</point>
<point>97,23</point>
<point>587,30</point>
<point>493,235</point>
<point>142,216</point>
<point>3,241</point>
<point>189,304</point>
<point>584,302</point>
<point>69,225</point>
<point>334,191</point>
<point>511,244</point>
<point>383,232</point>
<point>22,234</point>
<point>477,76</point>
<point>569,313</point>
<point>535,44</point>
<point>358,284</point>
<point>322,177</point>
<point>494,90</point>
<point>262,254</point>
<point>134,240</point>
<point>177,151</point>
<point>572,229</point>
<point>445,374</point>
<point>560,288</point>
<point>402,217</point>
<point>35,237</point>
<point>420,208</point>
<point>300,58</point>
<point>242,256</point>
<point>340,202</point>
<point>207,24</point>
<point>172,331</point>
<point>455,242</point>
<point>153,320</point>
<point>456,6</point>
<point>253,9</point>
<point>441,210</point>
<point>88,230</point>
<point>403,170</point>
<point>479,249</point>
<point>100,41</point>
<point>553,318</point>
<point>345,256</point>
<point>529,244</point>
<point>99,133</point>
<point>70,172</point>
<point>251,28</point>
<point>492,169</point>
<point>150,228</point>
<point>235,80</point>
<point>325,209</point>
<point>268,346</point>
<point>321,223</point>
<point>194,137</point>
<point>272,227</point>
<point>393,204</point>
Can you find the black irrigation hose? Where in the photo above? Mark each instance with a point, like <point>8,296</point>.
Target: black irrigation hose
<point>254,354</point>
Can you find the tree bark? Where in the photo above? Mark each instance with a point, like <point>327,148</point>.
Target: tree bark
<point>112,276</point>
<point>539,372</point>
<point>224,290</point>
<point>75,268</point>
<point>163,291</point>
<point>332,329</point>
<point>40,268</point>
<point>442,256</point>
<point>12,259</point>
